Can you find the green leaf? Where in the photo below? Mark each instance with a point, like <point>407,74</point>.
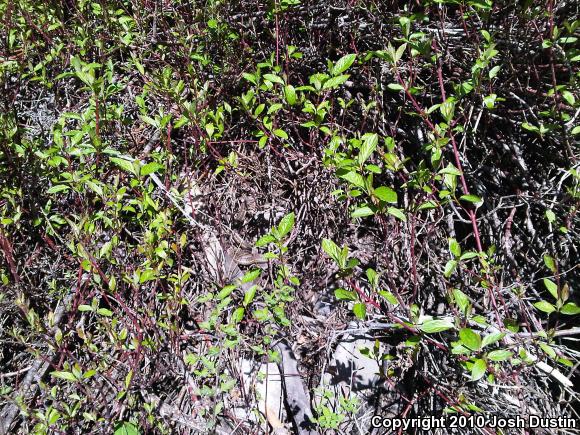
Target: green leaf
<point>568,40</point>
<point>89,374</point>
<point>472,198</point>
<point>550,264</point>
<point>395,87</point>
<point>490,100</point>
<point>264,240</point>
<point>548,350</point>
<point>399,53</point>
<point>461,300</point>
<point>512,325</point>
<point>126,428</point>
<point>343,64</point>
<point>249,295</point>
<point>281,133</point>
<point>147,275</point>
<point>67,376</point>
<point>478,369</point>
<point>551,287</point>
<point>493,72</point>
<point>105,312</point>
<point>286,225</point>
<point>261,315</point>
<point>529,127</point>
<point>152,122</point>
<point>238,315</point>
<point>138,65</point>
<point>499,355</point>
<point>570,309</point>
<point>470,338</point>
<point>335,82</point>
<point>225,292</point>
<point>436,325</point>
<point>344,295</point>
<point>545,306</point>
<point>331,249</point>
<point>94,187</point>
<point>468,255</point>
<point>274,108</point>
<point>251,275</point>
<point>83,308</point>
<point>57,188</point>
<point>368,147</point>
<point>450,170</point>
<point>447,109</point>
<point>372,277</point>
<point>433,108</point>
<point>454,247</point>
<point>250,77</point>
<point>362,212</point>
<point>449,268</point>
<point>398,213</point>
<point>126,165</point>
<point>492,338</point>
<point>149,168</point>
<point>569,97</point>
<point>290,94</point>
<point>273,78</point>
<point>259,109</point>
<point>457,348</point>
<point>354,178</point>
<point>390,297</point>
<point>386,194</point>
<point>360,310</point>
